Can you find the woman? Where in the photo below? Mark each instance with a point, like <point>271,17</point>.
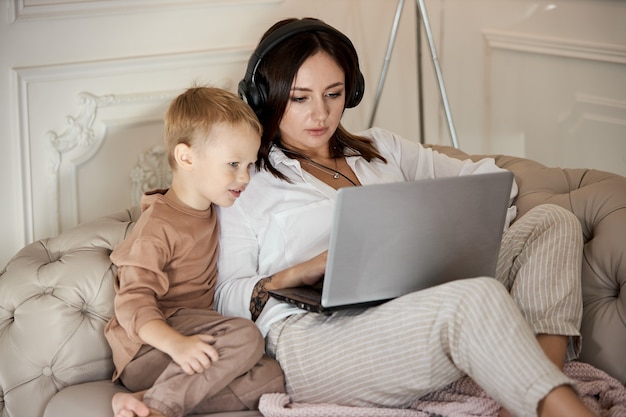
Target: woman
<point>299,81</point>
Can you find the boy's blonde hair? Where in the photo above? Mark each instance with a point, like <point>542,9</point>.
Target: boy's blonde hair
<point>192,114</point>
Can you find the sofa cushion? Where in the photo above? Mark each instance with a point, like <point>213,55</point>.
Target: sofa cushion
<point>96,397</point>
<point>75,399</point>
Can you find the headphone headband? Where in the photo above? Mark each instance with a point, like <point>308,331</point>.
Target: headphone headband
<point>255,94</point>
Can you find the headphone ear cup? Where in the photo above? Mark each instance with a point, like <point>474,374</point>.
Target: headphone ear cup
<point>359,90</point>
<point>247,92</point>
<point>253,94</point>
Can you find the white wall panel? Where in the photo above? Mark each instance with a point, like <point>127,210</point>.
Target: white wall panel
<point>592,134</point>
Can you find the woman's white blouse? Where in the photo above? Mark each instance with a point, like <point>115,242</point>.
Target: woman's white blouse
<point>276,224</point>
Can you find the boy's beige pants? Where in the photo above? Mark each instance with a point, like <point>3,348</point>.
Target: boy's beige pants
<point>235,382</point>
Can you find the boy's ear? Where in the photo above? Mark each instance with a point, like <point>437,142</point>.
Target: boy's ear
<point>183,156</point>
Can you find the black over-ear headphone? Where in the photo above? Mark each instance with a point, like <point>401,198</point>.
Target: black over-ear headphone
<point>255,94</point>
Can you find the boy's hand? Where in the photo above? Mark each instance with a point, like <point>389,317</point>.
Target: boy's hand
<point>194,353</point>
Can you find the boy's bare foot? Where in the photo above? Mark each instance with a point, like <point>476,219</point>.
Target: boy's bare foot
<point>129,405</point>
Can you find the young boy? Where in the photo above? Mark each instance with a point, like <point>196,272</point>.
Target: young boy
<point>169,346</point>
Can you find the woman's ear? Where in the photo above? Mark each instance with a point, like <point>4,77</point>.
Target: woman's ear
<point>183,156</point>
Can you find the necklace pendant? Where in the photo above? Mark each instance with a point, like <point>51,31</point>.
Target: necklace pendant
<point>336,176</point>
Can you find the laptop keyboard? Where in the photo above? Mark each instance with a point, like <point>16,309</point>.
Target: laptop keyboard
<point>309,294</point>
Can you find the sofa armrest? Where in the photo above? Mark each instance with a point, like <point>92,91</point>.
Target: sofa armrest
<point>55,298</point>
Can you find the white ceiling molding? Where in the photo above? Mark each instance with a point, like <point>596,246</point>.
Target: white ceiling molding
<point>562,47</point>
<point>49,9</point>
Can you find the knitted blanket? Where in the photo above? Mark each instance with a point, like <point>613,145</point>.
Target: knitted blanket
<point>605,395</point>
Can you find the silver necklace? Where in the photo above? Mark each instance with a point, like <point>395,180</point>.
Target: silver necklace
<point>325,169</point>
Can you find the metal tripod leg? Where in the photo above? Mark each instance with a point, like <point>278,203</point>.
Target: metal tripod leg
<point>390,45</point>
<point>421,7</point>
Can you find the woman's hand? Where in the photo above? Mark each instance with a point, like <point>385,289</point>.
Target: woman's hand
<point>306,273</point>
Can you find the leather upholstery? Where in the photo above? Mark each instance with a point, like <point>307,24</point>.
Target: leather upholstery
<point>56,296</point>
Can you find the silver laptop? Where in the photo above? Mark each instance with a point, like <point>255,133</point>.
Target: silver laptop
<point>388,240</point>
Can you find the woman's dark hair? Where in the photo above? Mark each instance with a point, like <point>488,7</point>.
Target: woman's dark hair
<point>277,71</point>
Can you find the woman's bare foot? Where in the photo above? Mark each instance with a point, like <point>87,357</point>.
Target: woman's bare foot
<point>129,405</point>
<point>504,413</point>
<point>560,402</point>
<point>563,401</point>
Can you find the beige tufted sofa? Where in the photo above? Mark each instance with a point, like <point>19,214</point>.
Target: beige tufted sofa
<point>56,296</point>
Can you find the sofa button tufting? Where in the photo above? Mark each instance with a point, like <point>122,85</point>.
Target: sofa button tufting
<point>48,291</point>
<point>47,371</point>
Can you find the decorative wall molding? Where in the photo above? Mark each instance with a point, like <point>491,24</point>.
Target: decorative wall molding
<point>598,109</point>
<point>63,151</point>
<point>547,45</point>
<point>151,172</point>
<point>85,134</point>
<point>151,63</point>
<point>79,131</point>
<point>83,137</point>
<point>21,9</point>
<point>594,124</point>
